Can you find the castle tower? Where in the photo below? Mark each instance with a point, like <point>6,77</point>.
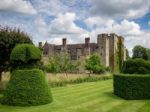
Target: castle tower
<point>87,46</point>
<point>40,45</point>
<point>64,45</point>
<point>113,40</point>
<point>103,48</point>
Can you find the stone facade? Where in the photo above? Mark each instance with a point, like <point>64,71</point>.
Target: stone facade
<point>106,47</point>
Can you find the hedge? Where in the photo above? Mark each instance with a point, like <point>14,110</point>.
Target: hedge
<point>132,87</point>
<point>25,53</point>
<point>79,80</point>
<point>27,87</point>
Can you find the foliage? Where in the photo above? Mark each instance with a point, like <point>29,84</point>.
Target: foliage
<point>93,64</point>
<point>127,54</point>
<point>136,66</point>
<point>79,80</point>
<point>27,87</point>
<point>132,87</point>
<point>148,54</point>
<point>61,63</point>
<point>139,52</point>
<point>25,55</point>
<point>8,39</point>
<point>120,54</point>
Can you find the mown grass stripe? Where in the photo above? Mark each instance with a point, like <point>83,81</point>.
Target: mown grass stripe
<point>79,87</point>
<point>86,97</point>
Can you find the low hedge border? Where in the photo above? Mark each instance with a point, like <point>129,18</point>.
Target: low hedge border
<point>132,87</point>
<point>78,80</point>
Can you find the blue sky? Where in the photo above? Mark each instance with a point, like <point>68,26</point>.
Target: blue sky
<point>51,20</point>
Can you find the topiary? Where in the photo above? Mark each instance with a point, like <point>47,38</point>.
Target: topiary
<point>27,87</point>
<point>25,55</point>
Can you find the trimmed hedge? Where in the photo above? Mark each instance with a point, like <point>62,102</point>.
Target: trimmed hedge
<point>27,87</point>
<point>132,87</point>
<point>25,53</point>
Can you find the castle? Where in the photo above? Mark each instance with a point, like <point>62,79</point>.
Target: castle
<point>107,47</point>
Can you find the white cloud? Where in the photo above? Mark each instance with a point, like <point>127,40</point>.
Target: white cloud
<point>130,30</point>
<point>92,22</point>
<point>120,8</point>
<point>50,7</point>
<point>62,26</point>
<point>20,6</point>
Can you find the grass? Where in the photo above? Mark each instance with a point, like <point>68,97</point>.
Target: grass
<point>85,97</point>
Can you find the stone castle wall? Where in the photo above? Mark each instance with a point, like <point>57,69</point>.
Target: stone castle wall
<point>106,47</point>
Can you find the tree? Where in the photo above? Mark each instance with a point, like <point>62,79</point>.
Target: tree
<point>136,66</point>
<point>93,65</point>
<point>127,54</point>
<point>148,54</point>
<point>8,39</point>
<point>61,63</point>
<point>65,62</point>
<point>53,65</point>
<point>139,52</point>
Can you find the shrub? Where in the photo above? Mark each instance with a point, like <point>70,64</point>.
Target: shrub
<point>93,64</point>
<point>136,66</point>
<point>79,80</point>
<point>27,87</point>
<point>132,87</point>
<point>25,55</point>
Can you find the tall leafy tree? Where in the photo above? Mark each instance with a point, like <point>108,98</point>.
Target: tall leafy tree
<point>148,54</point>
<point>127,54</point>
<point>65,62</point>
<point>9,37</point>
<point>139,52</point>
<point>93,64</point>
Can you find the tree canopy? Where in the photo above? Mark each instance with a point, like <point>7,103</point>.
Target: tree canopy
<point>139,52</point>
<point>9,38</point>
<point>93,64</point>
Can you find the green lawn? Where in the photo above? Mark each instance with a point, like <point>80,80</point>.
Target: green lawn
<point>85,97</point>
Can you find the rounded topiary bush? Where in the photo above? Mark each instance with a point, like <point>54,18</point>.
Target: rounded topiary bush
<point>27,87</point>
<point>25,56</point>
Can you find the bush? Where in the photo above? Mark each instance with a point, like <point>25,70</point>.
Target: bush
<point>132,87</point>
<point>136,66</point>
<point>27,87</point>
<point>79,80</point>
<point>25,55</point>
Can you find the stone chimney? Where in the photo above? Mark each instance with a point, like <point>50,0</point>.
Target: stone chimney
<point>87,42</point>
<point>64,41</point>
<point>40,44</point>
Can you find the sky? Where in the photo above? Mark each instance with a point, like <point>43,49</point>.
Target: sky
<point>52,20</point>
